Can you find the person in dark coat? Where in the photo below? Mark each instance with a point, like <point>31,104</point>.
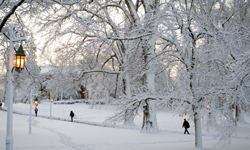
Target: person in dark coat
<point>36,110</point>
<point>186,126</point>
<point>72,115</point>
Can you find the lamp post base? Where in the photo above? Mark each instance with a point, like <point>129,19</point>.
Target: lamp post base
<point>9,143</point>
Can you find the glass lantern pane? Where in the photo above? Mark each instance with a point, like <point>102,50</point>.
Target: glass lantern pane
<point>17,61</point>
<point>22,61</point>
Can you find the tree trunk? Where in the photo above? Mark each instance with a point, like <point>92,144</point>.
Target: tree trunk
<point>197,126</point>
<point>129,120</point>
<point>239,116</point>
<point>149,124</point>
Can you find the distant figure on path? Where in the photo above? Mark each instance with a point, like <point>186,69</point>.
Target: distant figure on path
<point>186,126</point>
<point>1,105</point>
<point>36,110</point>
<point>72,115</point>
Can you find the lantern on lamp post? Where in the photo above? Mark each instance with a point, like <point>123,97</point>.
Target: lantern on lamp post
<point>20,58</point>
<point>36,102</point>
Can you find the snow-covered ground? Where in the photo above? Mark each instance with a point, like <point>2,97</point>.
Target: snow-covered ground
<point>89,133</point>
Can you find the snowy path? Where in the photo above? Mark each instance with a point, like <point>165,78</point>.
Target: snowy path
<point>52,134</point>
<point>64,135</point>
<point>64,139</point>
<point>104,138</point>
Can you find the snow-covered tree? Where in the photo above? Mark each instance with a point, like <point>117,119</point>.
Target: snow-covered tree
<point>106,38</point>
<point>150,52</point>
<point>194,46</point>
<point>237,23</point>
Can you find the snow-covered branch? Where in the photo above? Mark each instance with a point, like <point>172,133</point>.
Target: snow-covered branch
<point>11,12</point>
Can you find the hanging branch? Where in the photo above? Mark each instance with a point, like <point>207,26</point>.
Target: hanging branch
<point>10,13</point>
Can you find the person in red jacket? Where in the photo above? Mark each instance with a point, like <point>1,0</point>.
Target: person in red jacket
<point>186,126</point>
<point>36,110</point>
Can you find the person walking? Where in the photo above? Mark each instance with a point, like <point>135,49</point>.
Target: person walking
<point>72,115</point>
<point>186,126</point>
<point>36,110</point>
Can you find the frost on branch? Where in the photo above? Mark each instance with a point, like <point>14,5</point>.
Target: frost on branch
<point>127,110</point>
<point>225,127</point>
<point>129,107</point>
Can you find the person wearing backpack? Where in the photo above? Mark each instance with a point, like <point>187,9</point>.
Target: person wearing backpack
<point>186,126</point>
<point>72,115</point>
<point>36,110</point>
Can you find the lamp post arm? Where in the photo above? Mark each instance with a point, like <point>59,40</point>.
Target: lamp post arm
<point>15,34</point>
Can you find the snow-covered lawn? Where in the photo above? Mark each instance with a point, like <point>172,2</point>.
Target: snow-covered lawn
<point>64,135</point>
